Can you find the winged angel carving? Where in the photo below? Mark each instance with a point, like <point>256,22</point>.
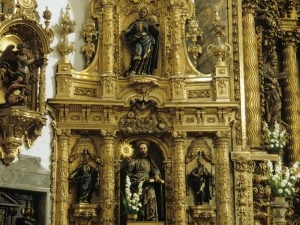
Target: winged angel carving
<point>17,71</point>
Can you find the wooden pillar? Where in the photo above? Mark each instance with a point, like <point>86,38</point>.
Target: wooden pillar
<point>61,199</point>
<point>243,169</point>
<point>108,37</point>
<point>223,180</point>
<point>108,202</point>
<point>291,94</point>
<point>252,85</point>
<point>178,181</point>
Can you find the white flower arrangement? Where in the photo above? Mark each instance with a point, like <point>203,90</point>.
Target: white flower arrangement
<point>131,201</point>
<point>282,182</point>
<point>276,139</point>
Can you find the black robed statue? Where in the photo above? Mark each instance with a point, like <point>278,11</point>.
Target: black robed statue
<point>143,35</point>
<point>86,177</point>
<point>200,179</point>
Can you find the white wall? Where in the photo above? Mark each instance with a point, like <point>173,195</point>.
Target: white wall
<point>42,147</point>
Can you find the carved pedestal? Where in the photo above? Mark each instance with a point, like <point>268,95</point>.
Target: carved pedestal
<point>279,209</point>
<point>84,213</point>
<point>17,123</point>
<point>203,214</point>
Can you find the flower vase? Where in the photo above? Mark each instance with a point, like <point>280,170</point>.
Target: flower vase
<point>279,209</point>
<point>131,217</point>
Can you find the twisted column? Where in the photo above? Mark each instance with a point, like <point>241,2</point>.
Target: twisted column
<point>108,202</point>
<point>178,181</point>
<point>252,86</point>
<point>223,188</point>
<point>61,197</point>
<point>291,93</point>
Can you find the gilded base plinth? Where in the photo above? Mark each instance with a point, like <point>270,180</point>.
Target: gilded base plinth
<point>203,214</point>
<point>84,212</point>
<point>146,223</point>
<point>144,79</point>
<point>279,209</point>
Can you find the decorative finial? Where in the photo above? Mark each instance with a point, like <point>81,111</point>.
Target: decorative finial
<point>194,32</point>
<point>218,49</point>
<point>67,26</point>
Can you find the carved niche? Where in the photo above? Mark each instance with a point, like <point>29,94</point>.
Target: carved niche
<point>25,45</point>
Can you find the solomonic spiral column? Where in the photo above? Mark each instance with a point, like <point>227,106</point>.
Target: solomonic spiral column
<point>252,86</point>
<point>292,94</point>
<point>108,202</point>
<point>178,181</point>
<point>223,187</point>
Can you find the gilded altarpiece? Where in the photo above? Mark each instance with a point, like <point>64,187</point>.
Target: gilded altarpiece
<point>109,103</point>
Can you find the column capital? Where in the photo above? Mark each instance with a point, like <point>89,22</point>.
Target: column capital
<point>108,133</point>
<point>242,164</point>
<point>63,133</point>
<point>290,37</point>
<point>179,134</point>
<point>250,6</point>
<point>223,134</point>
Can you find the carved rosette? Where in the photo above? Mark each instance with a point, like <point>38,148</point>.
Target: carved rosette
<point>223,179</point>
<point>179,202</point>
<point>108,202</point>
<point>17,123</point>
<point>291,91</point>
<point>252,86</point>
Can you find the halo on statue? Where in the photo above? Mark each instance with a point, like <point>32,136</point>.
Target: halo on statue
<point>126,150</point>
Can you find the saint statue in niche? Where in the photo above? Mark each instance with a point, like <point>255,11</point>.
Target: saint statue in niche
<point>200,181</point>
<point>143,35</point>
<point>18,68</point>
<point>272,89</point>
<point>143,167</point>
<point>87,179</point>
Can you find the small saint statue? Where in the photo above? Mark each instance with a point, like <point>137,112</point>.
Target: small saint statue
<point>200,180</point>
<point>143,35</point>
<point>86,177</point>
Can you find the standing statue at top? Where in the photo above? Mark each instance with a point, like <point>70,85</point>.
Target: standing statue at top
<point>143,34</point>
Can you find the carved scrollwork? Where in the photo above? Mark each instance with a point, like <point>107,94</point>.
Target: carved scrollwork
<point>199,146</point>
<point>16,123</point>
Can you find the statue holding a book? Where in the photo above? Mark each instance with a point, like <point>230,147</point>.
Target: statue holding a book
<point>142,167</point>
